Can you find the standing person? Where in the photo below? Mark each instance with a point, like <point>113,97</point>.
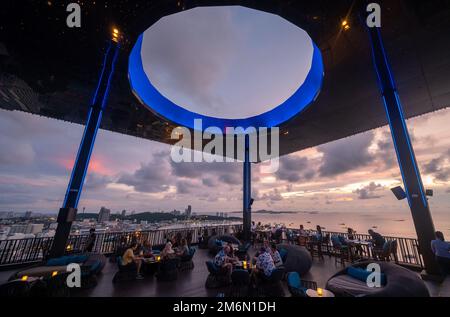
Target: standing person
<point>253,232</point>
<point>377,239</point>
<point>350,234</point>
<point>319,235</point>
<point>302,231</point>
<point>441,250</point>
<point>90,240</point>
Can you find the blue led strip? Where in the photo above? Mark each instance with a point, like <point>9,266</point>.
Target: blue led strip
<point>78,155</point>
<point>402,119</point>
<point>102,105</point>
<point>105,97</point>
<point>159,104</point>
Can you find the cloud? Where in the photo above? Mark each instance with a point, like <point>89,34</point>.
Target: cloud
<point>96,181</point>
<point>368,192</point>
<point>210,173</point>
<point>184,187</point>
<point>439,167</point>
<point>385,151</point>
<point>14,152</point>
<point>294,168</point>
<point>346,154</point>
<point>272,196</point>
<point>152,177</point>
<point>208,182</point>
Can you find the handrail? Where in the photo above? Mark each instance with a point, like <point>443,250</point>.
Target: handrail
<point>32,250</point>
<point>407,248</point>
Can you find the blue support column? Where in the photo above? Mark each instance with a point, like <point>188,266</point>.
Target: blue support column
<point>68,211</point>
<point>247,220</point>
<point>414,189</point>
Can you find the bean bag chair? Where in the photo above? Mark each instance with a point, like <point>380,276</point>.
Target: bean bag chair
<point>296,258</point>
<point>398,282</point>
<point>216,278</point>
<point>215,243</point>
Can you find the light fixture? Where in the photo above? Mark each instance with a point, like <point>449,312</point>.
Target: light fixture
<point>320,292</point>
<point>54,273</point>
<point>24,278</point>
<point>399,192</point>
<point>344,23</point>
<point>115,35</point>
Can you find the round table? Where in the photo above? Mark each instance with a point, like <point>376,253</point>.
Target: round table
<point>313,293</point>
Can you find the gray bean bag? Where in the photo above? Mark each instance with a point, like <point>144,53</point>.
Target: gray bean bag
<point>214,247</point>
<point>400,282</point>
<point>298,259</point>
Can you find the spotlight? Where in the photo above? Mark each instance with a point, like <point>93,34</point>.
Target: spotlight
<point>399,192</point>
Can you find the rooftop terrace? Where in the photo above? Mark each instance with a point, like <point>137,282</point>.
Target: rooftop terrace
<point>191,283</point>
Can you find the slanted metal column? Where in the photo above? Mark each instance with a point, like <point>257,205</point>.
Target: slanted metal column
<point>68,211</point>
<point>247,218</point>
<point>405,154</point>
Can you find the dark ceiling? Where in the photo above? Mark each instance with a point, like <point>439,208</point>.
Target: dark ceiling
<point>49,69</point>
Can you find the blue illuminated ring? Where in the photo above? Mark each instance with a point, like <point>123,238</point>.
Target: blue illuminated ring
<point>157,103</point>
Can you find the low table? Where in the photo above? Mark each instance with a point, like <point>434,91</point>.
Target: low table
<point>313,293</point>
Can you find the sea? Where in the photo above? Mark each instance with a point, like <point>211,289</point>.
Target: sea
<point>397,224</point>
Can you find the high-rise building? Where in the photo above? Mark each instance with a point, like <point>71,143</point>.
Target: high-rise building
<point>36,228</point>
<point>124,213</point>
<point>28,214</point>
<point>104,214</point>
<point>188,211</point>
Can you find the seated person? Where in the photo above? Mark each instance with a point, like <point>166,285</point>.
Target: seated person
<point>441,250</point>
<point>264,263</point>
<point>167,252</point>
<point>147,251</point>
<point>266,246</point>
<point>377,239</point>
<point>276,256</point>
<point>122,247</point>
<point>183,250</point>
<point>223,260</point>
<point>131,261</point>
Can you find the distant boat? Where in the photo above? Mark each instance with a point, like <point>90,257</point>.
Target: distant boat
<point>399,220</point>
<point>374,227</point>
<point>308,222</point>
<point>342,224</point>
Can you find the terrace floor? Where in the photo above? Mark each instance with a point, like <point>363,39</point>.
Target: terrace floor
<point>192,283</point>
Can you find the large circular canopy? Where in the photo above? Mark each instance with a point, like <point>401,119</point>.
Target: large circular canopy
<point>308,70</point>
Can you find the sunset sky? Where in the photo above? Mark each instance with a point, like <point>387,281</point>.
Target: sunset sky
<point>348,175</point>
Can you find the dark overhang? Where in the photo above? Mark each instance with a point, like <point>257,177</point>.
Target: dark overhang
<point>51,70</point>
